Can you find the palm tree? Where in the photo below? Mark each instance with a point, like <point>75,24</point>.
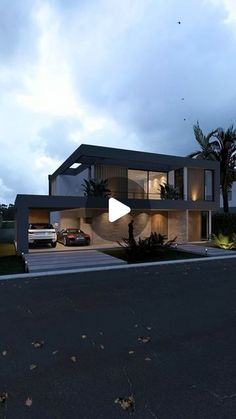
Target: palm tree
<point>219,145</point>
<point>206,151</point>
<point>96,188</point>
<point>224,147</point>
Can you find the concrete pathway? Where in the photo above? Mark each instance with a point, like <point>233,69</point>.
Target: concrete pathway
<point>41,262</point>
<point>203,250</point>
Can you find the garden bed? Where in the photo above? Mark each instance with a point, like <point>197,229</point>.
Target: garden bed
<point>167,254</point>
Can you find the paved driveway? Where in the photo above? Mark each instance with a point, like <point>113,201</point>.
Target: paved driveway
<point>165,335</point>
<point>56,261</point>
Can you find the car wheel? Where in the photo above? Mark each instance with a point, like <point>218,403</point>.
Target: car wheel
<point>53,244</point>
<point>65,241</point>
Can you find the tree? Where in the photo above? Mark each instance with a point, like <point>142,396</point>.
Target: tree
<point>219,145</point>
<point>96,188</point>
<point>206,151</point>
<point>168,192</point>
<point>224,147</point>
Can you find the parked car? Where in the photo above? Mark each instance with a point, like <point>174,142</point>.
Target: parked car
<point>42,233</point>
<point>73,236</point>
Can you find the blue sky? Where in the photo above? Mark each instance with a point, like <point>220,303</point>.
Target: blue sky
<point>119,73</point>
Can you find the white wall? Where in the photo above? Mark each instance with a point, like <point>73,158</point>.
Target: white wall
<point>70,185</point>
<point>232,203</point>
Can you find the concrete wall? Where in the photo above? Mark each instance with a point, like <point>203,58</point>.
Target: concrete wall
<point>177,226</point>
<point>103,231</point>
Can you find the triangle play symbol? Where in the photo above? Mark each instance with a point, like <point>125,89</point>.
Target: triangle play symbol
<point>116,209</point>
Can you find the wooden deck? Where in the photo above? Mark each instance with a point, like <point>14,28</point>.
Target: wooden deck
<point>56,261</point>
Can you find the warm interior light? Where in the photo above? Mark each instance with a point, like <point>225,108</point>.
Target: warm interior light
<point>194,196</point>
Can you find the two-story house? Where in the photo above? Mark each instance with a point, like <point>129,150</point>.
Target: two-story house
<point>134,178</point>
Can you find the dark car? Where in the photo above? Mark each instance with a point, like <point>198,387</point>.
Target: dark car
<point>73,236</point>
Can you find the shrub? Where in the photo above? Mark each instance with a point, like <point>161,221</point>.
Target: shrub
<point>8,224</point>
<point>168,192</point>
<point>224,223</point>
<point>147,247</point>
<point>224,242</point>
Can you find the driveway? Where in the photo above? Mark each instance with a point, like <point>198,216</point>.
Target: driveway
<point>42,262</point>
<point>163,336</point>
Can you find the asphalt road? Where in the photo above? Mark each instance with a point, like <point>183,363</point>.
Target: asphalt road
<point>90,322</point>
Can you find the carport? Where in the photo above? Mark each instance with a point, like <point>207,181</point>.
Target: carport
<point>25,203</point>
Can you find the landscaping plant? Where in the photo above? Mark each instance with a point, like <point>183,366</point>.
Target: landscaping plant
<point>145,248</point>
<point>224,242</point>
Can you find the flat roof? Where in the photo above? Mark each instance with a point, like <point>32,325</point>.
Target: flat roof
<point>87,155</point>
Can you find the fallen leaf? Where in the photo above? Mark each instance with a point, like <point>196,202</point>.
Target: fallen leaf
<point>3,397</point>
<point>131,352</point>
<point>149,328</point>
<point>84,337</point>
<point>4,353</point>
<point>29,402</point>
<point>101,346</point>
<point>144,339</point>
<point>38,343</point>
<point>32,367</point>
<point>126,403</point>
<point>54,352</point>
<point>73,358</point>
<point>147,359</point>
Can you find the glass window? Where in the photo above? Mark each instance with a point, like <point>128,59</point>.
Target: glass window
<point>137,184</point>
<point>155,180</point>
<point>179,182</point>
<point>208,185</point>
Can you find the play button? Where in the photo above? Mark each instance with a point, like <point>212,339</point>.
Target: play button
<point>116,210</point>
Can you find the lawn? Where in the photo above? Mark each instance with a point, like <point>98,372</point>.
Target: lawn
<point>168,254</point>
<point>10,263</point>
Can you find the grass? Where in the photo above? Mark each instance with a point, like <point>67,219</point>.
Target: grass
<point>10,263</point>
<point>168,254</point>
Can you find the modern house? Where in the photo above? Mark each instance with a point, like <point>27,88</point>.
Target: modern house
<point>134,178</point>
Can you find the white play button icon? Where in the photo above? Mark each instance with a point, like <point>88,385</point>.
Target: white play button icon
<point>116,210</point>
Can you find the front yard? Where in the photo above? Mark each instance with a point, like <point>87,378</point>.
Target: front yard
<point>10,263</point>
<point>167,254</point>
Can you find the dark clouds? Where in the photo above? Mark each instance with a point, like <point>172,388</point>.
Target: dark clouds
<point>124,65</point>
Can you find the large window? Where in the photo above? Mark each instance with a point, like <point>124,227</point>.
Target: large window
<point>208,185</point>
<point>145,184</point>
<point>155,179</point>
<point>137,184</point>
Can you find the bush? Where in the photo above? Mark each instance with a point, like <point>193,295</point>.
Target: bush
<point>144,248</point>
<point>224,224</point>
<point>224,242</point>
<point>8,224</point>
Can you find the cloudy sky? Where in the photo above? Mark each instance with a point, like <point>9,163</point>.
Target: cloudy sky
<point>120,73</point>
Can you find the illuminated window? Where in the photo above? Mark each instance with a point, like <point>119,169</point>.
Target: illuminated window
<point>137,184</point>
<point>144,184</point>
<point>208,185</point>
<point>156,179</point>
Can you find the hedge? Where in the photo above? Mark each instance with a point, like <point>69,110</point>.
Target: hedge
<point>224,223</point>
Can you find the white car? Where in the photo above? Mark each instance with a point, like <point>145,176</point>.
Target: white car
<point>40,233</point>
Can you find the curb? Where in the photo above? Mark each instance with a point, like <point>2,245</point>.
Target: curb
<point>111,268</point>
